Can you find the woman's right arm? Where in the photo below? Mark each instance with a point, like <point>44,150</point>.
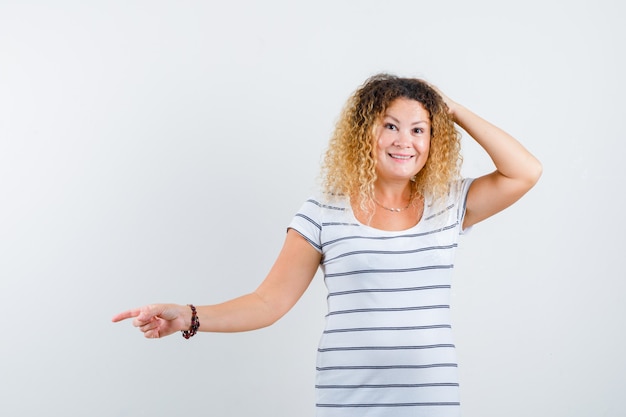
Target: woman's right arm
<point>289,277</point>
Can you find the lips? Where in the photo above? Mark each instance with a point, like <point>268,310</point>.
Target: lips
<point>401,157</point>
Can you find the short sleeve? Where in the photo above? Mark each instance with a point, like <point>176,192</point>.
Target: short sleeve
<point>308,223</point>
<point>461,201</point>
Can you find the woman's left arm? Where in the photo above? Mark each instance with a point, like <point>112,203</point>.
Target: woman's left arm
<point>517,170</point>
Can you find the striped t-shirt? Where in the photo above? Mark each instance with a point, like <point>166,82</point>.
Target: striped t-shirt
<point>387,348</point>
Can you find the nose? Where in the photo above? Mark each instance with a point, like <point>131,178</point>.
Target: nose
<point>403,140</point>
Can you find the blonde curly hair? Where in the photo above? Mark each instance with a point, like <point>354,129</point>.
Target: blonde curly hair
<point>349,167</point>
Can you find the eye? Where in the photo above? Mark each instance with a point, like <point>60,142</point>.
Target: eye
<point>390,126</point>
<point>418,130</point>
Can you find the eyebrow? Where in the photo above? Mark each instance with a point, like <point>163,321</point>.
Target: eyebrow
<point>398,121</point>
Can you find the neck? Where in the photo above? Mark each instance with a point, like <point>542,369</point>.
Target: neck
<point>393,200</point>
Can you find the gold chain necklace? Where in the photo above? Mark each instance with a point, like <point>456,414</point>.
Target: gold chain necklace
<point>393,209</point>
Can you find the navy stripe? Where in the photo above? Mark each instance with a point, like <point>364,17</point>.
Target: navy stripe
<point>408,236</point>
<point>389,252</point>
<point>435,384</point>
<point>439,213</point>
<point>312,243</point>
<point>339,224</point>
<point>377,329</point>
<point>317,203</point>
<point>353,348</point>
<point>384,367</point>
<point>389,405</point>
<point>315,245</point>
<point>388,271</point>
<point>385,310</point>
<point>374,290</point>
<point>310,220</point>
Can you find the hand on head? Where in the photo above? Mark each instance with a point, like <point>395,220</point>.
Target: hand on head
<point>449,102</point>
<point>156,320</point>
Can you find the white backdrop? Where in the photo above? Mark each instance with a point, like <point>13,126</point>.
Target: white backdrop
<point>156,150</point>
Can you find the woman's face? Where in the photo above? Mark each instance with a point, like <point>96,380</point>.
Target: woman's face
<point>402,140</point>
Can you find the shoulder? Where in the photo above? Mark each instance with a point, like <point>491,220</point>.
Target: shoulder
<point>324,202</point>
<point>457,193</point>
<point>459,189</point>
<point>451,206</point>
<point>317,212</point>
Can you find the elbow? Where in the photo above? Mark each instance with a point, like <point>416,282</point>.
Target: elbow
<point>529,172</point>
<point>535,172</point>
<point>527,177</point>
<point>270,312</point>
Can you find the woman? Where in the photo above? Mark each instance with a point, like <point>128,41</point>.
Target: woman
<point>384,231</point>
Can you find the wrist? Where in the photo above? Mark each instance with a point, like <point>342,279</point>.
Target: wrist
<point>185,316</point>
<point>192,324</point>
<point>458,113</point>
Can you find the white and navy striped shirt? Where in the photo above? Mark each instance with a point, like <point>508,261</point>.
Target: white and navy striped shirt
<point>387,348</point>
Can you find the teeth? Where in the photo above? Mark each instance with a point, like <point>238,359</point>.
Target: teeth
<point>401,156</point>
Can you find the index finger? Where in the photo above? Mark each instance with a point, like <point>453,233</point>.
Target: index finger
<point>126,315</point>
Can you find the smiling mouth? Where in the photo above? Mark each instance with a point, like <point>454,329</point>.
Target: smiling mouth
<point>402,157</point>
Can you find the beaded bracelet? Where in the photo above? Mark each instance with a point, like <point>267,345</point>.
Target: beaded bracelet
<point>195,323</point>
